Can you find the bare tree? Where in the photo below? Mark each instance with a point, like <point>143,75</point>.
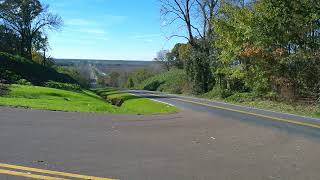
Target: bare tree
<point>27,18</point>
<point>207,9</point>
<point>185,12</point>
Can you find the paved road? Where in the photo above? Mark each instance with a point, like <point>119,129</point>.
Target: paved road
<point>203,142</point>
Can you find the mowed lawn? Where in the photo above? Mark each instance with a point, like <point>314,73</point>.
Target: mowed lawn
<point>86,101</point>
<point>134,103</point>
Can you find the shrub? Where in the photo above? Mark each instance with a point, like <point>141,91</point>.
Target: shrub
<point>64,86</point>
<point>241,97</point>
<point>24,82</point>
<point>273,96</point>
<point>9,76</point>
<point>4,89</point>
<point>173,81</point>
<point>225,93</point>
<point>153,86</point>
<point>218,92</point>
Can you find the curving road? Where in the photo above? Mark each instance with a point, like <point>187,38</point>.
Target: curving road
<point>207,140</point>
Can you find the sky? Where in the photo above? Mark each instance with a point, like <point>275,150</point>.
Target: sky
<point>108,29</point>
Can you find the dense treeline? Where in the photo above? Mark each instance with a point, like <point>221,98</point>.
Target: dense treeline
<point>262,46</point>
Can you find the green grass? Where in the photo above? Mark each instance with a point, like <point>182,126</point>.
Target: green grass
<point>134,103</point>
<point>250,100</point>
<point>85,101</point>
<point>298,109</point>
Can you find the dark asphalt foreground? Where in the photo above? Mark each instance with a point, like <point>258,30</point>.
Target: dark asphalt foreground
<point>199,143</point>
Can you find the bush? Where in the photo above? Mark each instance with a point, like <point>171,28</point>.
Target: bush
<point>173,81</point>
<point>9,76</point>
<point>4,89</point>
<point>272,96</point>
<point>218,92</point>
<point>153,86</point>
<point>24,82</point>
<point>64,86</point>
<point>241,97</point>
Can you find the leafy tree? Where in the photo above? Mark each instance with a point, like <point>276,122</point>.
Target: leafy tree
<point>268,44</point>
<point>9,42</point>
<point>130,83</point>
<point>27,18</point>
<point>187,14</point>
<point>178,55</point>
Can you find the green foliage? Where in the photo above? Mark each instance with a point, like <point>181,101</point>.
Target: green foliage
<point>241,97</point>
<point>9,40</point>
<point>64,86</point>
<point>173,81</point>
<point>153,86</point>
<point>9,76</point>
<point>27,19</point>
<point>178,55</point>
<point>15,68</point>
<point>268,45</point>
<point>74,74</point>
<point>4,89</point>
<point>137,77</point>
<point>24,82</point>
<point>130,83</point>
<point>218,93</point>
<point>199,72</point>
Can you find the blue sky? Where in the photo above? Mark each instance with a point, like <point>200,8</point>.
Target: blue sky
<point>108,29</point>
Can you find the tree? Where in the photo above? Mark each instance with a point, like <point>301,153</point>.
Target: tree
<point>27,18</point>
<point>187,14</point>
<point>195,16</point>
<point>163,57</point>
<point>130,83</point>
<point>41,44</point>
<point>178,55</point>
<point>269,44</point>
<point>9,41</point>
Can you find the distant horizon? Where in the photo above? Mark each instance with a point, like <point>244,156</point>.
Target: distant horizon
<point>109,29</point>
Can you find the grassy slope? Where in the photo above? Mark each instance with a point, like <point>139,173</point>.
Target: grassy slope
<point>136,104</point>
<point>173,81</point>
<point>86,101</point>
<point>304,110</point>
<point>13,68</point>
<point>251,101</point>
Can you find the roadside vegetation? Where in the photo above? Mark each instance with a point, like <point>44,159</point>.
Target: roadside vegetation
<point>258,53</point>
<point>175,82</point>
<point>261,53</point>
<point>80,101</point>
<point>132,104</point>
<point>30,79</point>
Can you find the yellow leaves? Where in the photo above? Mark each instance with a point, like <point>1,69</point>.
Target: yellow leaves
<point>251,51</point>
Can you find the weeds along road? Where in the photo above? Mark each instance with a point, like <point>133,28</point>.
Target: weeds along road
<point>205,141</point>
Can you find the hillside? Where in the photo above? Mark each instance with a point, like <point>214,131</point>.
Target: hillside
<point>14,68</point>
<point>173,81</point>
<point>37,97</point>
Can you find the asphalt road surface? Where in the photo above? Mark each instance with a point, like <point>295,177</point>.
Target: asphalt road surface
<point>205,141</point>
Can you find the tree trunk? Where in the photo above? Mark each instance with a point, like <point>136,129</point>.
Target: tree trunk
<point>29,48</point>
